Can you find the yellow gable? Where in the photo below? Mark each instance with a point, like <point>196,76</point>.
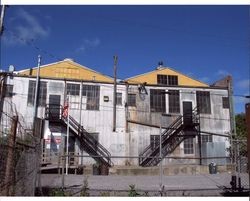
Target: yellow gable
<point>67,69</point>
<point>151,78</point>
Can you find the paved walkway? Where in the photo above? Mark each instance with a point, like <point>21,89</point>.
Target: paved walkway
<point>190,183</point>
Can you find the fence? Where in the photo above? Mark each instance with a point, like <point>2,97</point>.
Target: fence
<point>19,158</point>
<point>178,179</point>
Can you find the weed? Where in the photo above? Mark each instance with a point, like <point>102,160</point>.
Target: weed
<point>105,194</point>
<point>132,192</point>
<point>85,188</point>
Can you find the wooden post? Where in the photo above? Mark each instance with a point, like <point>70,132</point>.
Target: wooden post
<point>9,173</point>
<point>248,135</point>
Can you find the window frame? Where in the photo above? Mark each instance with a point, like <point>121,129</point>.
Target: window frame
<point>206,138</point>
<point>131,100</point>
<point>157,100</point>
<point>42,95</point>
<point>72,89</point>
<point>203,100</point>
<point>169,80</point>
<point>188,148</point>
<point>174,101</point>
<point>92,94</point>
<point>225,103</point>
<point>118,98</point>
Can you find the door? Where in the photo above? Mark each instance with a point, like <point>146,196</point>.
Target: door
<point>54,107</point>
<point>187,113</point>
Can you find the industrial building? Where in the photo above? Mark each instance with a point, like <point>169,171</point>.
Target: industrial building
<point>194,118</point>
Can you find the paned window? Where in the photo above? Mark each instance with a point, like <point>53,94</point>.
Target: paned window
<point>188,146</point>
<point>174,101</point>
<point>132,100</point>
<point>203,102</point>
<point>206,138</point>
<point>93,96</point>
<point>157,100</point>
<point>73,89</point>
<point>118,98</point>
<point>167,80</point>
<point>42,93</point>
<point>225,102</point>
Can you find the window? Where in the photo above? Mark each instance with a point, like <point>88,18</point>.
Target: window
<point>206,138</point>
<point>203,102</point>
<point>132,100</point>
<point>42,93</point>
<point>172,80</point>
<point>9,90</point>
<point>188,146</point>
<point>154,141</point>
<point>31,92</point>
<point>157,100</point>
<point>118,98</point>
<point>167,79</point>
<point>73,89</point>
<point>174,101</point>
<point>93,96</point>
<point>225,102</point>
<point>162,79</point>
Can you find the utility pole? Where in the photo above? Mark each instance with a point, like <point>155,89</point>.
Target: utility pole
<point>114,95</point>
<point>1,20</point>
<point>37,87</point>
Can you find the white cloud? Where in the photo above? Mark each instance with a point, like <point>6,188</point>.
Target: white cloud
<point>244,84</point>
<point>222,73</point>
<point>88,44</point>
<point>28,28</point>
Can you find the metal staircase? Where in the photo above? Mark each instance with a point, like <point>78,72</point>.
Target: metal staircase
<point>182,128</point>
<point>87,142</point>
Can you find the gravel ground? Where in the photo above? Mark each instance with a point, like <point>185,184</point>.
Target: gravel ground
<point>178,185</point>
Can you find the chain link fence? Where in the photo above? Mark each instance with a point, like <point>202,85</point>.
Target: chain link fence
<point>20,154</point>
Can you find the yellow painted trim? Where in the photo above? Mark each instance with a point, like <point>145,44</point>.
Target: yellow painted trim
<point>67,70</point>
<point>151,78</point>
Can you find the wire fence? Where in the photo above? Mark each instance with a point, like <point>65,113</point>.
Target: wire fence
<point>20,153</point>
<point>178,179</point>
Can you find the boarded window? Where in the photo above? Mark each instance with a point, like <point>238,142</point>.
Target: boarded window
<point>174,101</point>
<point>73,89</point>
<point>188,146</point>
<point>154,141</point>
<point>157,100</point>
<point>42,93</point>
<point>206,138</point>
<point>132,100</point>
<point>167,80</point>
<point>9,90</point>
<point>92,93</point>
<point>225,102</point>
<point>118,98</point>
<point>203,102</point>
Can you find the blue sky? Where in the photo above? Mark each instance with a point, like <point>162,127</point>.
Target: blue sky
<point>204,42</point>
